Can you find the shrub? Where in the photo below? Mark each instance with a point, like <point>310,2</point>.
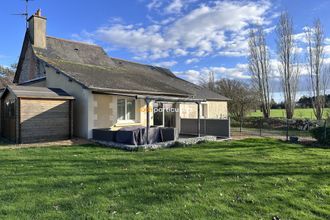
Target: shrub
<point>320,136</point>
<point>277,123</point>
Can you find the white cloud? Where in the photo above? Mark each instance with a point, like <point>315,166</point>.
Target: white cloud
<point>190,75</point>
<point>327,40</point>
<point>302,42</point>
<point>327,50</point>
<point>166,7</point>
<point>192,60</point>
<point>232,53</point>
<point>167,21</point>
<point>180,52</point>
<point>240,71</point>
<point>218,28</point>
<point>146,42</point>
<point>270,29</point>
<point>275,64</point>
<point>166,64</point>
<point>154,4</point>
<point>83,37</point>
<point>174,7</point>
<point>326,61</point>
<point>300,37</point>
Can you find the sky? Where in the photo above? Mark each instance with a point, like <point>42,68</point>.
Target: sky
<point>190,37</point>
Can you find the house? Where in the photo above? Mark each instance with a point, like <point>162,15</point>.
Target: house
<point>110,92</point>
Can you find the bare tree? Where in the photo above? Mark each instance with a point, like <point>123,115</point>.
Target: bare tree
<point>7,72</point>
<point>317,75</point>
<point>259,67</point>
<point>6,76</point>
<point>288,62</point>
<point>243,98</point>
<point>211,82</point>
<point>208,81</point>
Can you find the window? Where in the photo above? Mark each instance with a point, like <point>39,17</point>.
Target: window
<point>121,109</point>
<point>204,111</point>
<point>125,109</point>
<point>130,109</point>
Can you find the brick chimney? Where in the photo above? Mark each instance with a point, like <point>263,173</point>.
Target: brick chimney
<point>37,29</point>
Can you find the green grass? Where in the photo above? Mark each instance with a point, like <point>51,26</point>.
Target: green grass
<point>250,179</point>
<point>299,113</point>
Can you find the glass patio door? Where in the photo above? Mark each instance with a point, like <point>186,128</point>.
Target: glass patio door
<point>164,114</point>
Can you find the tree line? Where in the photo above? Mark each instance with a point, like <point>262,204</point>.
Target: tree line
<point>245,97</point>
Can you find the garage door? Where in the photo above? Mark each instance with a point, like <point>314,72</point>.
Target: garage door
<point>44,120</point>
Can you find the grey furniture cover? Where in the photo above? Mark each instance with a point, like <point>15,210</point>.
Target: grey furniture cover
<point>136,135</point>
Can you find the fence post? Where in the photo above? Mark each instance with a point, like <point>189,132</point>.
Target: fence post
<point>325,130</point>
<point>229,127</point>
<point>260,126</point>
<point>287,129</point>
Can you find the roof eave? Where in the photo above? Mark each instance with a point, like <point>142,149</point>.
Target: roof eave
<point>33,81</point>
<point>137,92</point>
<point>218,99</point>
<point>47,98</point>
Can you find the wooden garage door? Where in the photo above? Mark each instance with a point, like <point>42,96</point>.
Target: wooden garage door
<point>44,120</point>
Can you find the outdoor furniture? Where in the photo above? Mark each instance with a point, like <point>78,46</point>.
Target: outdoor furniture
<point>136,135</point>
<point>169,134</point>
<point>154,136</point>
<point>130,135</point>
<point>104,134</point>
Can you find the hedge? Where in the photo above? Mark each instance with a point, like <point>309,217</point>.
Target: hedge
<point>278,123</point>
<point>321,134</point>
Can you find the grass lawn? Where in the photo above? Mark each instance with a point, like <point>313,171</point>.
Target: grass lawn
<point>299,113</point>
<point>249,179</point>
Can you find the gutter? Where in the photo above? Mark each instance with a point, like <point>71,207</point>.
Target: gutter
<point>33,80</point>
<point>163,98</point>
<point>134,92</point>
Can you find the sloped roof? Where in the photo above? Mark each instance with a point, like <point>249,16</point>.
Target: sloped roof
<point>90,66</point>
<point>37,92</point>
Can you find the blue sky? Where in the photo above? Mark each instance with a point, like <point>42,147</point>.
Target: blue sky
<point>190,37</point>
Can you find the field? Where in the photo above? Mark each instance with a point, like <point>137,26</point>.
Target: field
<point>248,179</point>
<point>299,113</point>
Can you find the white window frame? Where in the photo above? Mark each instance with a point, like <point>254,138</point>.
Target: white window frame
<point>127,120</point>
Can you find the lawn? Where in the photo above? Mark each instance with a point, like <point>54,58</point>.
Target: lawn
<point>299,113</point>
<point>249,179</point>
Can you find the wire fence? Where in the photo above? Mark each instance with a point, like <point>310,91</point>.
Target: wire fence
<point>288,129</point>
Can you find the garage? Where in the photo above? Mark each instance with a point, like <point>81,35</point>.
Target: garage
<point>36,114</point>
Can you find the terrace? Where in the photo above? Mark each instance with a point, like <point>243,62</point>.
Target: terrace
<point>165,129</point>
